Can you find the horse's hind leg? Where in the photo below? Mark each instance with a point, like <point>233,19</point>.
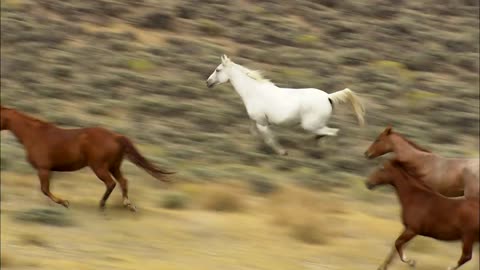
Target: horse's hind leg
<point>124,185</point>
<point>466,252</point>
<point>104,175</point>
<point>323,132</point>
<point>44,176</point>
<point>326,131</point>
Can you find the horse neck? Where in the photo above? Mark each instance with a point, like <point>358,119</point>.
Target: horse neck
<point>408,155</point>
<point>24,128</point>
<point>406,191</point>
<point>242,83</point>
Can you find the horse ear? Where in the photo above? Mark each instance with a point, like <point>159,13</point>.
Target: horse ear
<point>225,59</point>
<point>388,130</point>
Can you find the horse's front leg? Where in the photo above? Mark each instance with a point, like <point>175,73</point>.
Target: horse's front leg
<point>44,176</point>
<point>466,251</point>
<point>253,129</point>
<point>270,140</point>
<point>406,236</point>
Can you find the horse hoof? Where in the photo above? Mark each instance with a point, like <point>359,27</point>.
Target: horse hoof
<point>131,207</point>
<point>65,203</point>
<point>382,267</point>
<point>412,263</point>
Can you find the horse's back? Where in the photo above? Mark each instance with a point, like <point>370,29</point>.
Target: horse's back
<point>89,139</point>
<point>99,136</point>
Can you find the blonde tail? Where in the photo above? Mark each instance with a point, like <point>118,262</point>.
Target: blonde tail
<point>347,95</point>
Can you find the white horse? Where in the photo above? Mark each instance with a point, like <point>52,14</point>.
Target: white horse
<point>268,104</point>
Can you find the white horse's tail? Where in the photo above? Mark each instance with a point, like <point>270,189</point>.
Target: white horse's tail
<point>347,95</point>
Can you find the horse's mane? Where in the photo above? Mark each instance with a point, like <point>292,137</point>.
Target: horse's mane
<point>254,74</point>
<point>411,179</point>
<point>416,146</point>
<point>28,117</point>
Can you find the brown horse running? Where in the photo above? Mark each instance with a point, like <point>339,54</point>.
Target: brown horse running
<point>448,176</point>
<point>50,148</point>
<point>427,213</point>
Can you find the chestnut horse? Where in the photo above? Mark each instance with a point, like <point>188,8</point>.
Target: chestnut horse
<point>448,176</point>
<point>50,148</point>
<point>428,213</point>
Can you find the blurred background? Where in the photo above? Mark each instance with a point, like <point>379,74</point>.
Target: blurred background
<point>139,68</point>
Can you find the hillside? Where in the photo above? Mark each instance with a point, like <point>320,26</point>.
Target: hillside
<point>140,67</point>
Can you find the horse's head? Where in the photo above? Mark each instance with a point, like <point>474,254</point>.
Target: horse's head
<point>381,145</point>
<point>220,74</point>
<point>381,176</point>
<point>4,117</point>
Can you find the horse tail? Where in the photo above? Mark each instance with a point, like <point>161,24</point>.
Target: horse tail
<point>347,95</point>
<point>136,158</point>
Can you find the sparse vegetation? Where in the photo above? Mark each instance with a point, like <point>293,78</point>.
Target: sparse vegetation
<point>263,186</point>
<point>45,216</point>
<point>223,198</point>
<point>175,200</point>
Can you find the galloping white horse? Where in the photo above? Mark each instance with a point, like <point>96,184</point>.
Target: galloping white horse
<point>268,104</point>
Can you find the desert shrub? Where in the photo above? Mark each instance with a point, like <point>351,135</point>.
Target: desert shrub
<point>303,214</point>
<point>161,105</point>
<point>245,36</point>
<point>120,46</point>
<point>45,216</point>
<point>140,65</point>
<point>308,231</point>
<point>461,44</point>
<point>307,40</point>
<point>441,137</point>
<point>210,28</point>
<point>383,9</point>
<point>355,56</point>
<point>467,61</point>
<point>186,10</point>
<point>175,200</point>
<point>262,186</point>
<point>341,31</point>
<point>34,239</point>
<point>425,60</point>
<point>113,8</point>
<point>224,198</point>
<point>62,72</point>
<point>158,20</point>
<point>183,46</point>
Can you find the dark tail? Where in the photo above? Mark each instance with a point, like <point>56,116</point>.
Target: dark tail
<point>136,158</point>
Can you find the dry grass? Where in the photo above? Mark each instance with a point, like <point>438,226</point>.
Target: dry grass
<point>223,198</point>
<point>291,229</point>
<point>306,214</point>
